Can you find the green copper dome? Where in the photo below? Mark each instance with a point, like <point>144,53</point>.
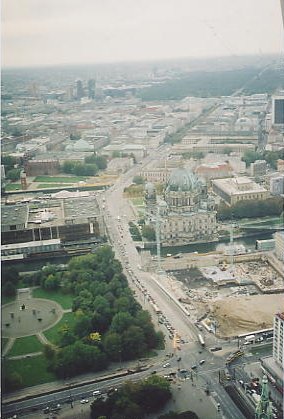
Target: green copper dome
<point>183,180</point>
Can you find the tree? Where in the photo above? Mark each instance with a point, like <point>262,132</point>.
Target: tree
<point>227,150</point>
<point>120,322</point>
<point>11,381</point>
<point>197,155</point>
<point>251,156</point>
<point>13,174</point>
<point>99,161</point>
<point>8,162</point>
<point>68,167</point>
<point>77,358</point>
<point>112,345</point>
<point>183,415</point>
<point>138,180</point>
<point>153,394</point>
<point>149,232</point>
<point>75,136</point>
<point>9,289</point>
<point>10,274</point>
<point>133,343</point>
<point>48,352</point>
<point>52,282</point>
<point>83,326</point>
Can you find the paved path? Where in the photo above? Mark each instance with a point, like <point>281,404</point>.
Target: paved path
<point>8,346</point>
<point>25,355</point>
<point>41,337</point>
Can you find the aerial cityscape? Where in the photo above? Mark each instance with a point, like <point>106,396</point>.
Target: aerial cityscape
<point>142,217</point>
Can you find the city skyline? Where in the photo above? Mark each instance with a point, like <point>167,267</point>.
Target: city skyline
<point>94,32</point>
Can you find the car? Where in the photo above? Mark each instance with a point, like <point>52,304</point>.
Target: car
<point>97,393</point>
<point>216,348</point>
<point>166,365</point>
<point>201,361</point>
<point>183,370</point>
<point>84,401</point>
<point>154,372</point>
<point>193,367</point>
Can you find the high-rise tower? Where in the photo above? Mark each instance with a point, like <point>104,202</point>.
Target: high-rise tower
<point>79,89</point>
<point>91,88</point>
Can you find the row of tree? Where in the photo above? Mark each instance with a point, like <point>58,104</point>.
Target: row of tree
<point>270,157</point>
<point>92,164</point>
<point>251,209</point>
<point>133,400</point>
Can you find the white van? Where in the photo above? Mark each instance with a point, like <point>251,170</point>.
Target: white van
<point>96,393</point>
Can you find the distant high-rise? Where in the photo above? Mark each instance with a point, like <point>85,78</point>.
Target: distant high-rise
<point>278,110</point>
<point>79,89</point>
<point>91,88</point>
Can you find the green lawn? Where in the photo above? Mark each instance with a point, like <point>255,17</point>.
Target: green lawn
<point>25,345</point>
<point>65,300</point>
<point>52,185</point>
<point>33,370</point>
<point>13,187</point>
<point>52,334</point>
<point>64,179</point>
<point>138,201</point>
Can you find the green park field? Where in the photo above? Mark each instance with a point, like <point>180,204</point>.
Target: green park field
<point>25,345</point>
<point>65,300</point>
<point>59,179</point>
<point>68,319</point>
<point>33,371</point>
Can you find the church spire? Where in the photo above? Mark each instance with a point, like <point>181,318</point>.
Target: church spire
<point>263,408</point>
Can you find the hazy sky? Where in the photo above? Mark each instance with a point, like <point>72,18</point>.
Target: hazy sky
<point>41,32</point>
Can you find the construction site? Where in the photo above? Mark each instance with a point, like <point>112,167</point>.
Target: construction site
<point>228,296</point>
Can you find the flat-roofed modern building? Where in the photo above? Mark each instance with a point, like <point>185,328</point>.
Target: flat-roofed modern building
<point>238,189</point>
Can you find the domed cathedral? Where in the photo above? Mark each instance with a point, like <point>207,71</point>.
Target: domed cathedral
<point>186,214</point>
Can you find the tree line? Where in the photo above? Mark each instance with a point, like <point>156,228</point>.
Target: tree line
<point>133,400</point>
<point>110,325</point>
<point>251,209</point>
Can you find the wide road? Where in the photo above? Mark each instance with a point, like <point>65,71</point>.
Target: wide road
<point>118,212</point>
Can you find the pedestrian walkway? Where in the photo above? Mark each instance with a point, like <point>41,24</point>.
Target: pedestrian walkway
<point>42,338</point>
<point>8,346</point>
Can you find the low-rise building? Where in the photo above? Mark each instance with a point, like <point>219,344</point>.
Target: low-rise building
<point>238,189</point>
<point>214,171</point>
<point>42,167</point>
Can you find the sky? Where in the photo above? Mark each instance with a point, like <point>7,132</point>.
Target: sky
<point>53,32</point>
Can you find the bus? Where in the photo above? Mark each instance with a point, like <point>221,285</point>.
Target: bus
<point>201,340</point>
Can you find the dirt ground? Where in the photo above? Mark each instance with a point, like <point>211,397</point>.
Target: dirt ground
<point>238,315</point>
